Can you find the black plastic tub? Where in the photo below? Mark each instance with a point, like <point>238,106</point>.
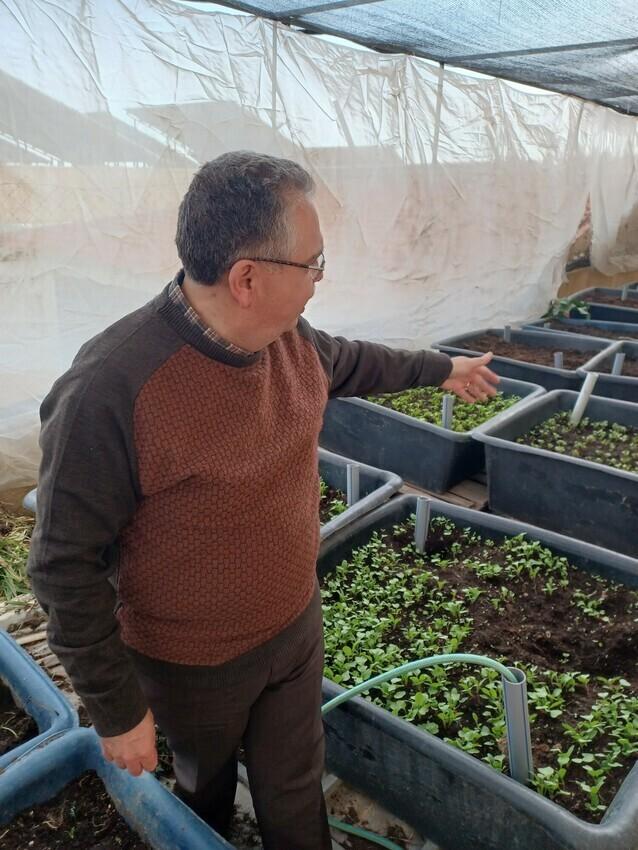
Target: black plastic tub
<point>622,387</point>
<point>376,486</point>
<point>447,795</point>
<point>548,377</point>
<point>424,454</point>
<point>570,495</point>
<point>616,330</point>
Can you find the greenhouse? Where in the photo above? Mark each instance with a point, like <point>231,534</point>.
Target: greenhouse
<point>319,425</point>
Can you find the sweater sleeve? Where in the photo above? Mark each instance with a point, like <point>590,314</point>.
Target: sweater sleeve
<point>357,368</point>
<point>87,493</point>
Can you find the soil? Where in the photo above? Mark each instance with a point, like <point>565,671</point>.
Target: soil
<point>330,495</point>
<point>532,629</point>
<point>16,726</point>
<point>81,817</point>
<point>356,842</point>
<point>616,300</point>
<point>586,441</point>
<point>575,329</point>
<point>543,356</point>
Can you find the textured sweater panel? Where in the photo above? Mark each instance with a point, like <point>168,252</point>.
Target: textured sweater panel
<point>220,555</point>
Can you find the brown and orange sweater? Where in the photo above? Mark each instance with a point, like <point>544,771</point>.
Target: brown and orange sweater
<point>188,468</point>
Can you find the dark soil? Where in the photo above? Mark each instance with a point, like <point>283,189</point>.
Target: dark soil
<point>543,356</point>
<point>81,817</point>
<point>576,329</point>
<point>356,842</point>
<point>16,726</point>
<point>325,507</point>
<point>596,441</point>
<point>616,300</point>
<point>534,628</point>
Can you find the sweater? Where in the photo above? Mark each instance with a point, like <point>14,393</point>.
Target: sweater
<point>187,472</point>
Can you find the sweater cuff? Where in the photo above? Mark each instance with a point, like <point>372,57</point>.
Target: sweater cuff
<point>117,711</point>
<point>436,368</point>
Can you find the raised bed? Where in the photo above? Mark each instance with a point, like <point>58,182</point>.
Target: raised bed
<point>601,295</point>
<point>35,694</point>
<point>578,350</point>
<point>604,330</point>
<point>624,386</point>
<point>422,453</point>
<point>376,486</point>
<point>156,815</point>
<point>577,497</point>
<point>456,800</point>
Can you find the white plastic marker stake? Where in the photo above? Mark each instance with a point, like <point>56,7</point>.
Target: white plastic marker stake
<point>422,524</point>
<point>547,324</point>
<point>558,359</point>
<point>619,359</point>
<point>583,397</point>
<point>624,293</point>
<point>507,333</point>
<point>447,411</point>
<point>352,483</point>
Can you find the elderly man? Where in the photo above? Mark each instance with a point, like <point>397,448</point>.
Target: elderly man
<point>180,455</point>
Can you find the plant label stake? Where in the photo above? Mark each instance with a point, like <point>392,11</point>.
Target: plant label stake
<point>422,524</point>
<point>624,293</point>
<point>447,411</point>
<point>507,333</point>
<point>352,483</point>
<point>619,359</point>
<point>583,397</point>
<point>558,359</point>
<point>519,745</point>
<point>547,324</point>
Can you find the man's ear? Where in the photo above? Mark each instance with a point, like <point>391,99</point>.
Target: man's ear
<point>242,278</point>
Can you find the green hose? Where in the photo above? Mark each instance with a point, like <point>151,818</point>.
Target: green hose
<point>458,657</point>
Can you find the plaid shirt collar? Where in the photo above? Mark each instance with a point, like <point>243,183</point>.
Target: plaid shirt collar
<point>178,299</point>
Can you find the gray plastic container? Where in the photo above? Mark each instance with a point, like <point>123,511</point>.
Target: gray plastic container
<point>427,455</point>
<point>376,486</point>
<point>547,376</point>
<point>447,795</point>
<point>615,329</point>
<point>609,312</point>
<point>570,495</point>
<point>622,387</point>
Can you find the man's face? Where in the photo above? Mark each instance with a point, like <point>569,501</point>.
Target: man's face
<point>287,289</point>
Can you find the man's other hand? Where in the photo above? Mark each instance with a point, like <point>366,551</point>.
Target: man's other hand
<point>470,378</point>
<point>135,750</point>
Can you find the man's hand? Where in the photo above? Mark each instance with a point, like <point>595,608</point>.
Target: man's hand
<point>135,750</point>
<point>470,378</point>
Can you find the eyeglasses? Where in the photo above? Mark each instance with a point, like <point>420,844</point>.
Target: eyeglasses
<point>317,269</point>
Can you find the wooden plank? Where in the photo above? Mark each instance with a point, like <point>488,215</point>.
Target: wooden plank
<point>34,637</point>
<point>467,494</point>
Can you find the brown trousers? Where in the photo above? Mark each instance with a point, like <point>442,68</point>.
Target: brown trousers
<point>269,700</point>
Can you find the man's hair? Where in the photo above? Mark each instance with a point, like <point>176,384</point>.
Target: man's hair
<point>238,205</point>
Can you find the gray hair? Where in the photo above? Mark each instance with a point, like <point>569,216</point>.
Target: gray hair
<point>238,205</point>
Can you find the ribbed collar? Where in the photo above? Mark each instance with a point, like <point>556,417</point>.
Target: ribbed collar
<point>176,310</point>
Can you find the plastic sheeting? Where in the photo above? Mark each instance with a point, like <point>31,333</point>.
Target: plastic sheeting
<point>447,201</point>
<point>587,49</point>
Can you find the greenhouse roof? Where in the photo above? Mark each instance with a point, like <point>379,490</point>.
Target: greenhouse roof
<point>585,49</point>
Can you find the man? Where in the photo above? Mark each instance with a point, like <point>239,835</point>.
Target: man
<point>180,454</point>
